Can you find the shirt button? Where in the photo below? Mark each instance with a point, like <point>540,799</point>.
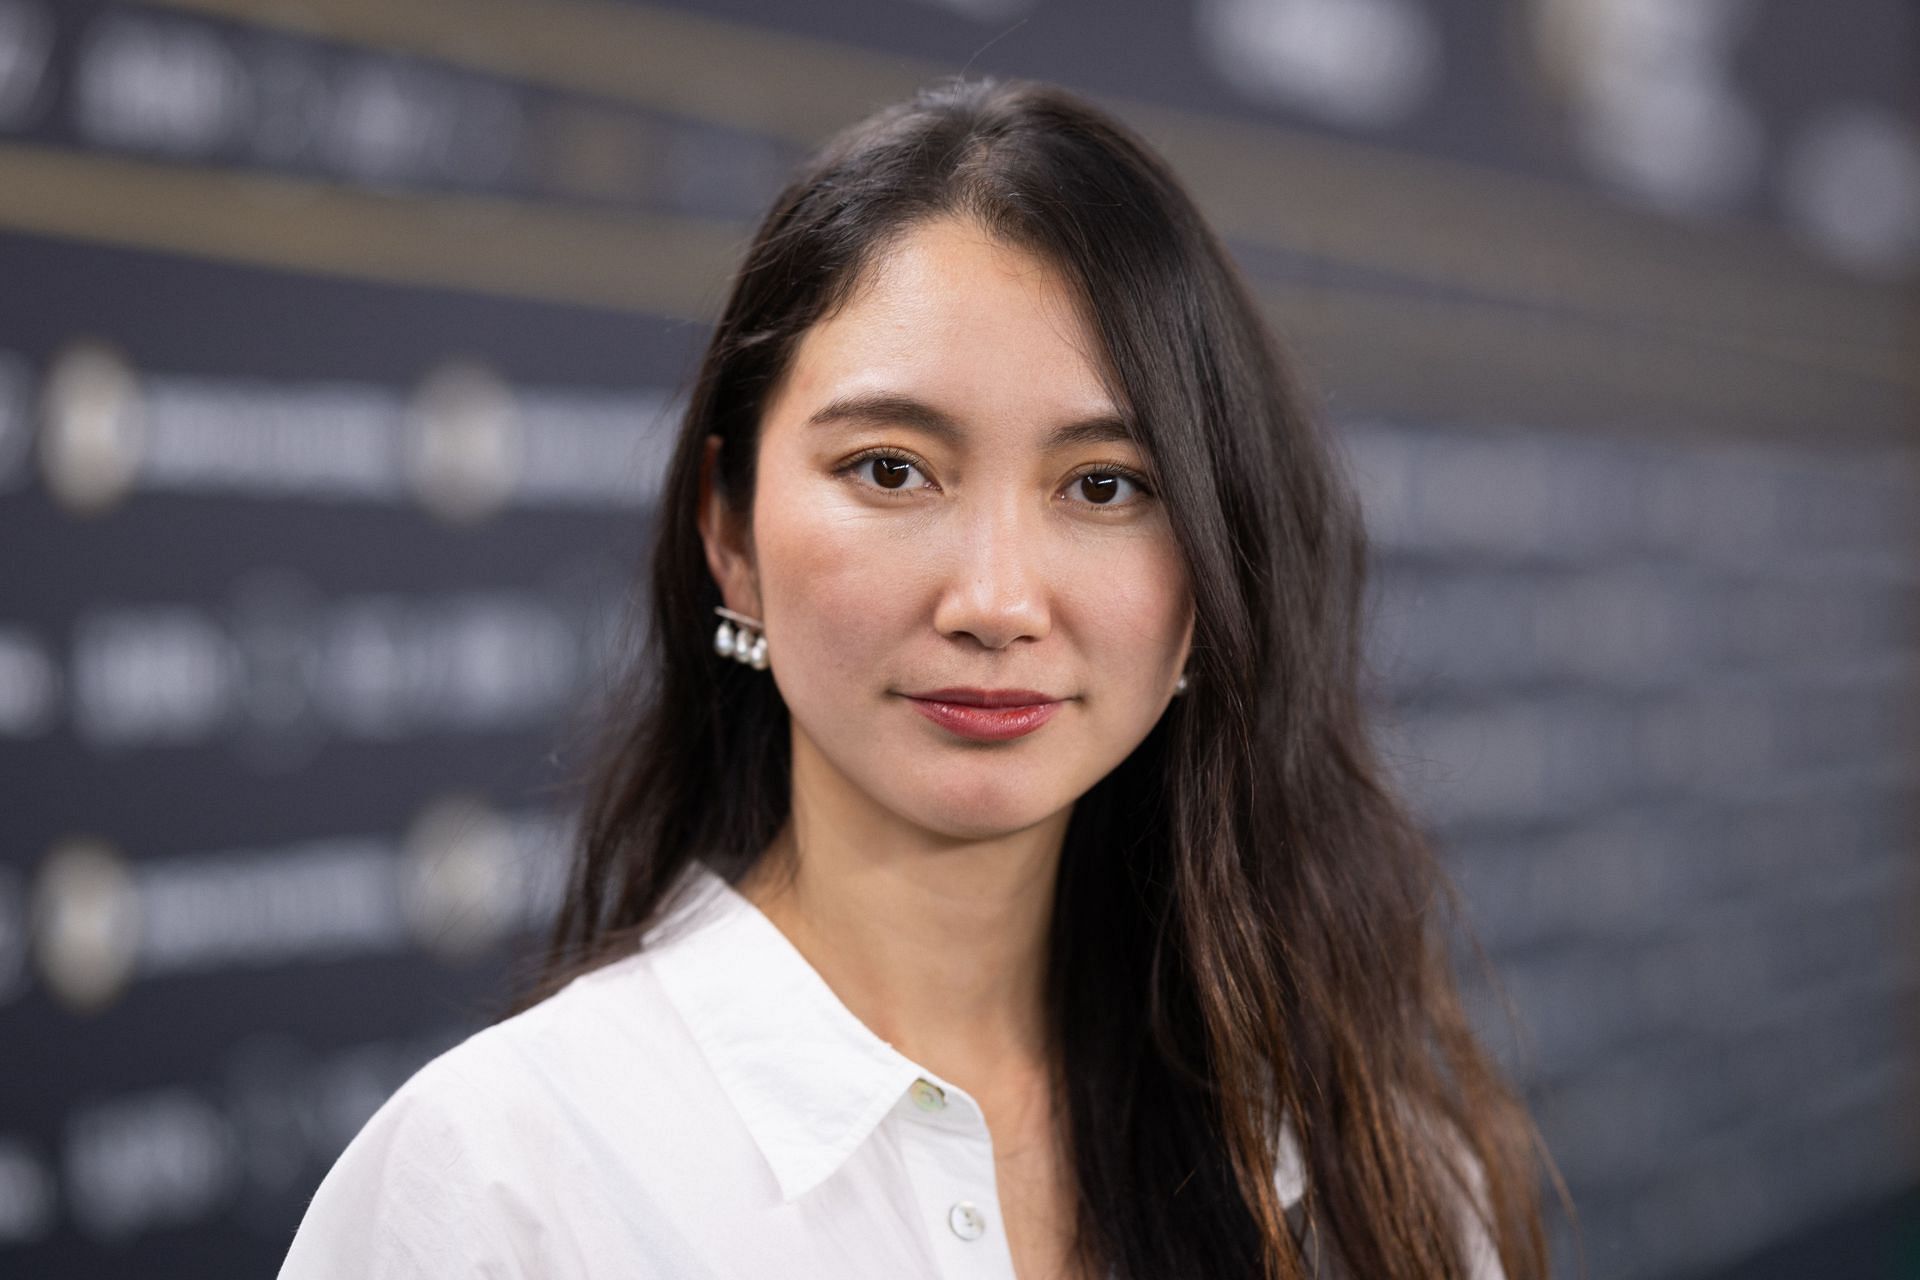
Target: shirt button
<point>927,1095</point>
<point>967,1222</point>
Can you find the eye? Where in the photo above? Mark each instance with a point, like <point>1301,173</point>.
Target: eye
<point>1105,486</point>
<point>883,469</point>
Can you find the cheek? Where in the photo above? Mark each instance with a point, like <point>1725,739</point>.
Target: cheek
<point>838,581</point>
<point>1130,607</point>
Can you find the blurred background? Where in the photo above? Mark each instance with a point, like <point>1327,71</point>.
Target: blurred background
<point>340,342</point>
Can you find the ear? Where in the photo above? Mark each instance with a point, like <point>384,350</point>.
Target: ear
<point>729,541</point>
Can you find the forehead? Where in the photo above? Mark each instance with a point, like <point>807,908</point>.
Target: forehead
<point>948,314</point>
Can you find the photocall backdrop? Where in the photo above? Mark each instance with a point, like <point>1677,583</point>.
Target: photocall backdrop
<point>341,343</point>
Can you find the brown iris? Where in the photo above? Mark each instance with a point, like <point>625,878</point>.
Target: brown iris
<point>891,472</point>
<point>1098,487</point>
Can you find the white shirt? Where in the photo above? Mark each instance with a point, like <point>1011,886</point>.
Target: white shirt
<point>705,1107</point>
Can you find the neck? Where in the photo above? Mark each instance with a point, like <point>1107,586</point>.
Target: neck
<point>938,944</point>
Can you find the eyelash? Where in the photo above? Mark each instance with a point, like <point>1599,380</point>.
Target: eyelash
<point>1104,469</point>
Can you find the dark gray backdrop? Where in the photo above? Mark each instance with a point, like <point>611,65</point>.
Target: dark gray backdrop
<point>338,344</point>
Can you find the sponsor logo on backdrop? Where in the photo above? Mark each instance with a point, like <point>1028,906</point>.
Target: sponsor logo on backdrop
<point>1851,181</point>
<point>1358,63</point>
<point>1650,89</point>
<point>247,1143</point>
<point>461,879</point>
<point>92,428</point>
<point>280,668</point>
<point>463,443</point>
<point>176,86</point>
<point>147,1160</point>
<point>85,924</point>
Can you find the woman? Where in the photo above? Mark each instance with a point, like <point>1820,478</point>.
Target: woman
<point>1015,892</point>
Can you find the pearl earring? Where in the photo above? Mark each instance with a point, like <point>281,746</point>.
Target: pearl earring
<point>1180,685</point>
<point>746,645</point>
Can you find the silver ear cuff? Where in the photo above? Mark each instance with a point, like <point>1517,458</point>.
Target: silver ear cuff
<point>746,643</point>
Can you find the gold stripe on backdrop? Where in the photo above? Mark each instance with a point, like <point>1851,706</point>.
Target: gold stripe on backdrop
<point>1392,350</point>
<point>1433,221</point>
<point>1557,307</point>
<point>632,262</point>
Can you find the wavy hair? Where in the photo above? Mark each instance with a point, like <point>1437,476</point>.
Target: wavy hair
<point>1246,924</point>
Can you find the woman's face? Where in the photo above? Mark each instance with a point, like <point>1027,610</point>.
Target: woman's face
<point>943,501</point>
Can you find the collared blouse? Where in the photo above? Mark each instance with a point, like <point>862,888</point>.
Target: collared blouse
<point>705,1107</point>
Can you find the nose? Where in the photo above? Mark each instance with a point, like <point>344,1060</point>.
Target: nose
<point>996,588</point>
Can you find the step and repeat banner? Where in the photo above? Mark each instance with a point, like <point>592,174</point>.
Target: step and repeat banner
<point>341,344</point>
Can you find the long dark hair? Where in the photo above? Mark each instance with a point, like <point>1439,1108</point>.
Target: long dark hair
<point>1246,919</point>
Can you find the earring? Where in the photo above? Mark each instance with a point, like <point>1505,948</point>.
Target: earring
<point>747,645</point>
<point>1180,685</point>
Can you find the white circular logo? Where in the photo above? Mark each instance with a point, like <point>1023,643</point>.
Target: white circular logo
<point>85,923</point>
<point>1359,63</point>
<point>464,447</point>
<point>461,879</point>
<point>1852,184</point>
<point>91,429</point>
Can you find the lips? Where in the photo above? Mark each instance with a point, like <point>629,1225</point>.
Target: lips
<point>971,697</point>
<point>989,715</point>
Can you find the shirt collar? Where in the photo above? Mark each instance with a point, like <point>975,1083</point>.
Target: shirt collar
<point>809,1079</point>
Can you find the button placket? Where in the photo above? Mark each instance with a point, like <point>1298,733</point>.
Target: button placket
<point>949,1156</point>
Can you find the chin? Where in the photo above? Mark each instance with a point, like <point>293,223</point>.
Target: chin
<point>981,808</point>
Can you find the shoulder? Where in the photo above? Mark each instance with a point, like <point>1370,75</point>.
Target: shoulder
<point>411,1195</point>
<point>597,1034</point>
<point>459,1168</point>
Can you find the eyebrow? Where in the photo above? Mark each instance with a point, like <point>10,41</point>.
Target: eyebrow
<point>888,406</point>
